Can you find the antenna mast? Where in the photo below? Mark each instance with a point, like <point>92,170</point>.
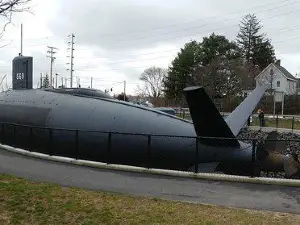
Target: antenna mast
<point>21,52</point>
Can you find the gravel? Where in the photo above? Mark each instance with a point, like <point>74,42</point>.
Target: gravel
<point>292,140</point>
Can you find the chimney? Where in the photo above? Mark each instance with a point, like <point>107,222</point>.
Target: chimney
<point>278,62</point>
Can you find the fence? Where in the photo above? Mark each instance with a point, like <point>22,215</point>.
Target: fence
<point>144,150</point>
<point>288,122</point>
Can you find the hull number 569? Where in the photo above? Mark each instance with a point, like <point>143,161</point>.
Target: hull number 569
<point>20,76</point>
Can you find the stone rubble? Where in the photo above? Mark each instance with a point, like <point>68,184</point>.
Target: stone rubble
<point>293,146</point>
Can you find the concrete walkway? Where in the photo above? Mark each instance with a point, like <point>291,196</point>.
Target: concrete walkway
<point>232,194</point>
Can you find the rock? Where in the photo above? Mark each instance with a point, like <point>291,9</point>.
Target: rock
<point>292,140</point>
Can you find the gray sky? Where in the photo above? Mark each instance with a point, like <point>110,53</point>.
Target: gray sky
<point>116,40</point>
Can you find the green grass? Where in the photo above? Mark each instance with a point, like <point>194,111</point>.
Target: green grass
<point>282,123</point>
<point>270,122</point>
<point>26,202</point>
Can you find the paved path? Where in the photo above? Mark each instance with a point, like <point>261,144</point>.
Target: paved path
<point>281,199</point>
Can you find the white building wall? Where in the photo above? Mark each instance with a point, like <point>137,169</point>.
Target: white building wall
<point>282,84</point>
<point>285,85</point>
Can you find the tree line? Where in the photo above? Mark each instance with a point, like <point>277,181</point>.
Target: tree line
<point>222,66</point>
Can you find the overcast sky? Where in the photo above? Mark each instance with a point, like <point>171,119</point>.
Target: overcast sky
<point>116,40</point>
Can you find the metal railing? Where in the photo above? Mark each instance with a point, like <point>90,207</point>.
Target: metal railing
<point>285,122</point>
<point>106,146</point>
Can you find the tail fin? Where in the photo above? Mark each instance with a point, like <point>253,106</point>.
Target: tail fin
<point>237,119</point>
<point>207,120</point>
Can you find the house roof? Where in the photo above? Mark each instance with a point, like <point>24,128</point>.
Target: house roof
<point>285,72</point>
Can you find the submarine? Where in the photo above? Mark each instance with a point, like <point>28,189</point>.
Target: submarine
<point>91,125</point>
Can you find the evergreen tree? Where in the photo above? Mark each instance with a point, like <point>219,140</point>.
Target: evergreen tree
<point>218,45</point>
<point>196,63</point>
<point>46,81</point>
<point>254,45</point>
<point>121,97</point>
<point>263,54</point>
<point>181,68</point>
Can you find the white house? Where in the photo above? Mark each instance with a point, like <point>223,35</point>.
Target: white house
<point>277,78</point>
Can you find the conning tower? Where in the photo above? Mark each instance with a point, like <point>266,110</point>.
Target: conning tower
<point>22,67</point>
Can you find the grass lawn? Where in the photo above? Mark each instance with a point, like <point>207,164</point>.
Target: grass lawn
<point>25,202</point>
<point>282,123</point>
<point>270,122</point>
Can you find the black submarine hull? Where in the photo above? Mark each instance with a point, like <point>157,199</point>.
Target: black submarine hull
<point>107,130</point>
<point>89,124</point>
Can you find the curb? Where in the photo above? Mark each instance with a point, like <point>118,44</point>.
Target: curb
<point>182,174</point>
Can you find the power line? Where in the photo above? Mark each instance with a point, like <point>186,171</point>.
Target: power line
<point>236,12</point>
<point>113,69</point>
<point>140,67</point>
<point>203,31</point>
<point>194,34</point>
<point>207,30</point>
<point>208,18</point>
<point>284,30</point>
<point>222,19</point>
<point>209,23</point>
<point>110,82</point>
<point>165,56</point>
<point>158,57</point>
<point>147,59</point>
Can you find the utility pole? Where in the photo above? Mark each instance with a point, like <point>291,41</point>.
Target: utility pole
<point>62,82</point>
<point>91,82</point>
<point>71,58</point>
<point>124,90</point>
<point>41,85</point>
<point>56,80</point>
<point>51,52</point>
<point>78,82</point>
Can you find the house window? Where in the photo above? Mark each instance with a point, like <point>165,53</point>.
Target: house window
<point>278,83</point>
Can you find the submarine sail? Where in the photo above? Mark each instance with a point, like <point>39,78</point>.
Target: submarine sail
<point>22,72</point>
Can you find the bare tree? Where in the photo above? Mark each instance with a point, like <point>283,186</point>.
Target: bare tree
<point>153,81</point>
<point>141,91</point>
<point>268,80</point>
<point>220,77</point>
<point>9,7</point>
<point>248,71</point>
